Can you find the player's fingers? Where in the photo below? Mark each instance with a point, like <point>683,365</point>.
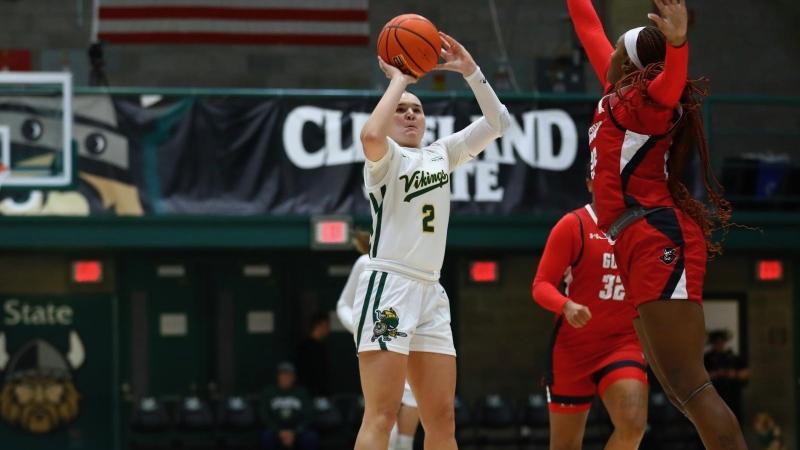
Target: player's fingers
<point>452,41</point>
<point>657,19</point>
<point>447,39</point>
<point>445,43</point>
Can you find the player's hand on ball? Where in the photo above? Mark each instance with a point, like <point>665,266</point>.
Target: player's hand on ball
<point>576,314</point>
<point>392,72</point>
<point>456,57</point>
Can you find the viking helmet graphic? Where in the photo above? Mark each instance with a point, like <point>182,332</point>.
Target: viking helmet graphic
<point>40,358</point>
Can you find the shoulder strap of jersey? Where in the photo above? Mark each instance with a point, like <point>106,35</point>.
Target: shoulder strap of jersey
<point>580,252</point>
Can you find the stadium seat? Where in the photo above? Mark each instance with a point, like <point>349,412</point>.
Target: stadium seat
<point>237,423</point>
<point>351,407</point>
<point>195,421</point>
<point>150,426</point>
<point>327,420</point>
<point>497,424</point>
<point>465,430</point>
<point>534,419</point>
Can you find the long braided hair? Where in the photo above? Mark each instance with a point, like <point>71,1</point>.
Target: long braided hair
<point>687,136</point>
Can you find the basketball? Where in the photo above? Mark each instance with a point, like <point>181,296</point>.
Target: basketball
<point>411,43</point>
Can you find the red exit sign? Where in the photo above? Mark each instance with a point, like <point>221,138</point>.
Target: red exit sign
<point>330,232</point>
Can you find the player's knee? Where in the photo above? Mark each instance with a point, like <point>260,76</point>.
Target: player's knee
<point>381,420</point>
<point>631,428</point>
<point>683,382</point>
<point>441,419</point>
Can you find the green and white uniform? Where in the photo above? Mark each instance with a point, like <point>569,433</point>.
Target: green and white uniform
<point>400,305</point>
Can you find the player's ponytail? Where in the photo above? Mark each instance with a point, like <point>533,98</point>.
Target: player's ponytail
<point>690,135</point>
<point>687,136</point>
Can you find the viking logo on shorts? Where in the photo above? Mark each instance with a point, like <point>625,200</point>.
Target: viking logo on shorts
<point>39,394</point>
<point>669,255</point>
<point>386,323</point>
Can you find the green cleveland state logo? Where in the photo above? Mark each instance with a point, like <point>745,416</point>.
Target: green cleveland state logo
<point>423,182</point>
<point>386,323</point>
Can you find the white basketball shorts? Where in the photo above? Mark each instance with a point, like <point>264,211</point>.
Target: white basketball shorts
<point>399,313</point>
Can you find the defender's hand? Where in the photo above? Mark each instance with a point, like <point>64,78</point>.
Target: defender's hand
<point>672,20</point>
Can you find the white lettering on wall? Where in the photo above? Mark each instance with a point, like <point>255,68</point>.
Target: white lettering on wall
<point>532,141</point>
<point>16,312</point>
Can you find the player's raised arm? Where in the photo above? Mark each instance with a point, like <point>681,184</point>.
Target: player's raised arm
<point>467,143</point>
<point>592,36</point>
<point>376,129</point>
<point>672,20</point>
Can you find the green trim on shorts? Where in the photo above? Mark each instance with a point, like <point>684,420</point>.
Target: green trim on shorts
<point>365,308</point>
<point>376,235</point>
<point>375,307</point>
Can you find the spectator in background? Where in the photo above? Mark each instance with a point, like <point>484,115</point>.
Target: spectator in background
<point>312,357</point>
<point>768,432</point>
<point>727,370</point>
<point>286,411</point>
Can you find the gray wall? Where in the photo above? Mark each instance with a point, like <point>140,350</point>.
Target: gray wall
<point>743,46</point>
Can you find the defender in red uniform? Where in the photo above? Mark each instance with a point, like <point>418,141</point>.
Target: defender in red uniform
<point>643,132</point>
<point>594,349</point>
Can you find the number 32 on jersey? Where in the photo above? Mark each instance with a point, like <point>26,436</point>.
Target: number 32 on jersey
<point>612,284</point>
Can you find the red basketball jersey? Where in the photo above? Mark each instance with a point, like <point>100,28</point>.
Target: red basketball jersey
<point>629,168</point>
<point>578,252</point>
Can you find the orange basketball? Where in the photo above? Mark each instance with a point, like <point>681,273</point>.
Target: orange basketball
<point>411,43</point>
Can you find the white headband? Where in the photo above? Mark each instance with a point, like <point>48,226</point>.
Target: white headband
<point>631,37</point>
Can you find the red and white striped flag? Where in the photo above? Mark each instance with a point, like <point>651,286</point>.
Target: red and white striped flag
<point>298,22</point>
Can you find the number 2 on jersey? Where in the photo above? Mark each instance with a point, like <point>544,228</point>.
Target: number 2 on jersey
<point>428,214</point>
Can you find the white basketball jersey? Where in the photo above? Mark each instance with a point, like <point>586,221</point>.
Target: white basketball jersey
<point>410,204</point>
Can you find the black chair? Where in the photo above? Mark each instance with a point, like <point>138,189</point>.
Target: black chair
<point>237,423</point>
<point>496,421</point>
<point>534,418</point>
<point>150,426</point>
<point>195,421</point>
<point>466,434</point>
<point>328,421</point>
<point>351,407</point>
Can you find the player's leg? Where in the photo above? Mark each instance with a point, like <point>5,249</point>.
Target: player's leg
<point>651,361</point>
<point>407,422</point>
<point>433,379</point>
<point>676,334</point>
<point>383,374</point>
<point>432,369</point>
<point>386,312</point>
<point>567,428</point>
<point>624,394</point>
<point>405,428</point>
<point>570,392</point>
